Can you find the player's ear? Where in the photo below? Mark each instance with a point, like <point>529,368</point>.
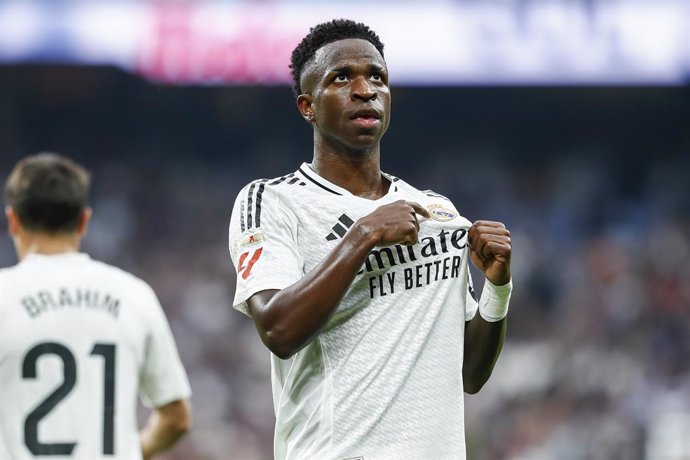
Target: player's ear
<point>13,224</point>
<point>84,221</point>
<point>306,107</point>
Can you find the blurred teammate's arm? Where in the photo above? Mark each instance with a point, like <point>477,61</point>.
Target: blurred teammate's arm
<point>490,251</point>
<point>165,426</point>
<point>163,384</point>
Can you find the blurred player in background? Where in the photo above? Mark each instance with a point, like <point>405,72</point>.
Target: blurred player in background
<point>79,339</point>
<point>359,283</point>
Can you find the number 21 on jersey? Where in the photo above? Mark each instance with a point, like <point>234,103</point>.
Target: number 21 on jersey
<point>69,365</point>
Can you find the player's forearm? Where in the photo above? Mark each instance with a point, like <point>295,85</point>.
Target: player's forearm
<point>289,319</point>
<point>483,345</point>
<point>165,427</point>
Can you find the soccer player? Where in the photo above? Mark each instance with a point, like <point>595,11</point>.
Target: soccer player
<point>79,339</point>
<point>359,283</point>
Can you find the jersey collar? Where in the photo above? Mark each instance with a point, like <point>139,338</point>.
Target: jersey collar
<point>312,177</point>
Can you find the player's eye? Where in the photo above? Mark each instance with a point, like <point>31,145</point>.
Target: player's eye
<point>379,77</point>
<point>341,78</point>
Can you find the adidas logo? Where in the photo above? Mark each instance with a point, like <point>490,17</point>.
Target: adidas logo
<point>338,229</point>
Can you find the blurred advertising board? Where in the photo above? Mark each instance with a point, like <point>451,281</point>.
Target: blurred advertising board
<point>427,43</point>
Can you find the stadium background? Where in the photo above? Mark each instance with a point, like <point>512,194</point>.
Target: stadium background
<point>592,180</point>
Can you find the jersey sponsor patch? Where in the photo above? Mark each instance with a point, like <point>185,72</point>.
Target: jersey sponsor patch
<point>440,213</point>
<point>253,239</point>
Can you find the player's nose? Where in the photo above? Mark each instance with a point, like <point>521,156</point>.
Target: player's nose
<point>363,89</point>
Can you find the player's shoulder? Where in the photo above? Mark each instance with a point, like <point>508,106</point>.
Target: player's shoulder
<point>285,183</point>
<point>10,275</point>
<point>5,274</point>
<point>267,197</point>
<point>432,194</point>
<point>405,187</point>
<point>6,271</point>
<point>120,277</point>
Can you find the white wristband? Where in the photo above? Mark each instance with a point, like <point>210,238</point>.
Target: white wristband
<point>493,303</point>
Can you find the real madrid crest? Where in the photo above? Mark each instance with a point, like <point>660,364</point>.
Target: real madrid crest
<point>440,213</point>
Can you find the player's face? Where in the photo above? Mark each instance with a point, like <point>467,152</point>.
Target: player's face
<point>351,99</point>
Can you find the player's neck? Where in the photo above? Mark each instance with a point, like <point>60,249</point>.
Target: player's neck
<point>360,174</point>
<point>45,244</point>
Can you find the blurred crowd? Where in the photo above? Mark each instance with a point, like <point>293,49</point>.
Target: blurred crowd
<point>596,361</point>
<point>596,366</point>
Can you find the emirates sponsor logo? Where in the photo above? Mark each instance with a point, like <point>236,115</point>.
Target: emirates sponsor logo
<point>435,258</point>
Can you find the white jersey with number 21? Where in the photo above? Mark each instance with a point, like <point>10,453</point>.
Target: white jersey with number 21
<point>79,342</point>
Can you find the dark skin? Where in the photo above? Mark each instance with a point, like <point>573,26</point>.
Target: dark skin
<point>346,98</point>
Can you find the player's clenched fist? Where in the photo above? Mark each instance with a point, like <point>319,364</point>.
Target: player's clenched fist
<point>490,249</point>
<point>394,223</point>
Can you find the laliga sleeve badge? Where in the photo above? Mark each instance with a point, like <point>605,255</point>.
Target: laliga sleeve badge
<point>441,213</point>
<point>247,261</point>
<point>250,248</point>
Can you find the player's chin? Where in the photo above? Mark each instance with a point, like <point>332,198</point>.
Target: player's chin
<point>366,138</point>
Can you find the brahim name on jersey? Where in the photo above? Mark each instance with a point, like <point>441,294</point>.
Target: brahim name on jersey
<point>64,298</point>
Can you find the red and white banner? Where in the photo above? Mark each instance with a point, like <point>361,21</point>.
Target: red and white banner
<point>427,43</point>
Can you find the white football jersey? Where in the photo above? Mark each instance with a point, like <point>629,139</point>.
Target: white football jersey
<point>79,341</point>
<point>383,380</point>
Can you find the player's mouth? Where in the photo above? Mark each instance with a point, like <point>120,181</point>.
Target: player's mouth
<point>367,118</point>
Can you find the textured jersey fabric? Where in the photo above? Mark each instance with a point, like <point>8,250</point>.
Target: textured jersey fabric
<point>383,380</point>
<point>96,333</point>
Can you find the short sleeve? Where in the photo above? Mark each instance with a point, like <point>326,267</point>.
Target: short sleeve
<point>262,243</point>
<point>471,303</point>
<point>164,379</point>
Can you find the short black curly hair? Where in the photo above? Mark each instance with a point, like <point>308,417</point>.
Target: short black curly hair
<point>322,34</point>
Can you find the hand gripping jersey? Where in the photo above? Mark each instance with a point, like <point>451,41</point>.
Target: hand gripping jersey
<point>79,340</point>
<point>383,380</point>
